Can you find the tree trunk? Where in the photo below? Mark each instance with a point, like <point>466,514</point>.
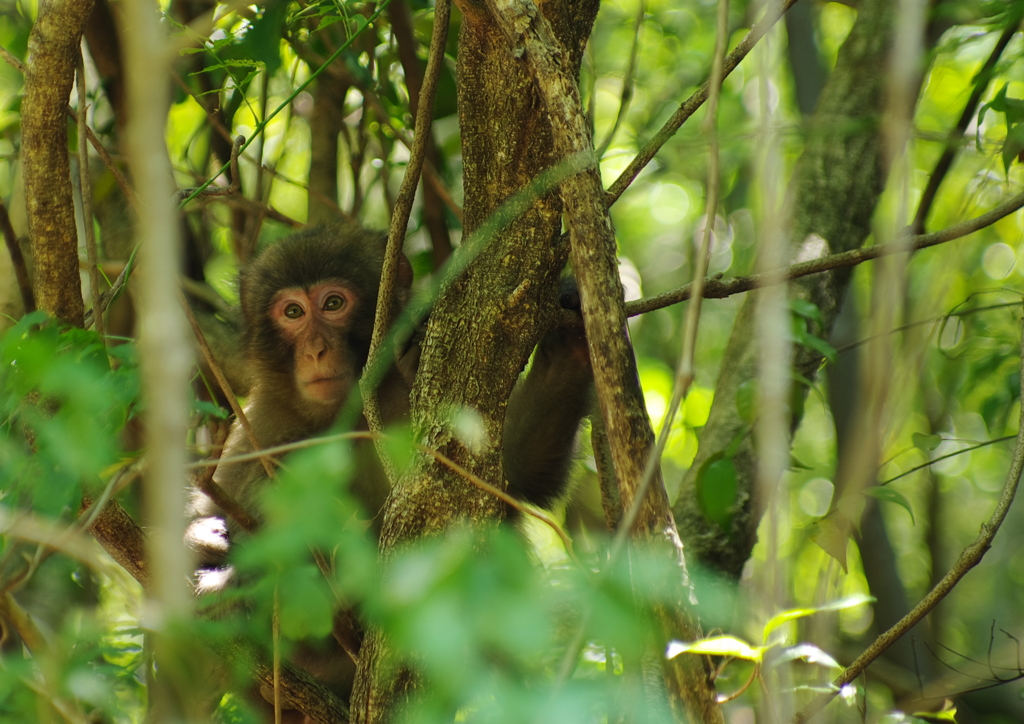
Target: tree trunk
<point>835,187</point>
<point>485,323</point>
<point>53,47</point>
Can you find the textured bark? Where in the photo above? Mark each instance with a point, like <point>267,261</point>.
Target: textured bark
<point>53,48</point>
<point>628,428</point>
<point>122,538</point>
<point>486,322</point>
<point>835,187</point>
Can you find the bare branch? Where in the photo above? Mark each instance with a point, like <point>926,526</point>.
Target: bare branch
<point>969,558</point>
<point>400,219</point>
<point>85,187</point>
<point>982,79</point>
<point>691,104</point>
<point>17,260</point>
<point>716,288</point>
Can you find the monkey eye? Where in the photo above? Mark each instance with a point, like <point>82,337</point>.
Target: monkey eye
<point>333,303</point>
<point>293,311</point>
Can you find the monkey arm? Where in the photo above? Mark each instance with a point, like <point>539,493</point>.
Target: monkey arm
<point>543,415</point>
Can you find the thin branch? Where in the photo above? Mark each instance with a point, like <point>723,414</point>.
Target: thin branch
<point>109,296</point>
<point>225,386</point>
<point>956,135</point>
<point>695,101</point>
<point>430,174</point>
<point>716,288</point>
<point>205,191</point>
<point>6,56</point>
<point>400,218</point>
<point>969,558</point>
<point>85,188</point>
<point>108,161</point>
<point>685,369</point>
<point>17,260</point>
<point>947,456</point>
<point>437,455</point>
<point>628,79</point>
<point>262,125</point>
<point>502,495</point>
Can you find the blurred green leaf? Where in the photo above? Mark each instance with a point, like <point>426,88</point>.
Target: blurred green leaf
<point>716,485</point>
<point>717,646</point>
<point>889,495</point>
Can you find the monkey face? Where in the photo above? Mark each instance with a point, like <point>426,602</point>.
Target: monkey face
<point>315,322</point>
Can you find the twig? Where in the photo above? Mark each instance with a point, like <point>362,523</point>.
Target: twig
<point>981,83</point>
<point>225,386</point>
<point>205,191</point>
<point>628,79</point>
<point>108,161</point>
<point>437,455</point>
<point>17,260</point>
<point>691,104</point>
<point>685,368</point>
<point>113,293</point>
<point>85,187</point>
<point>430,174</point>
<point>261,126</point>
<point>502,495</point>
<point>969,558</point>
<point>400,218</point>
<point>716,288</point>
<point>11,60</point>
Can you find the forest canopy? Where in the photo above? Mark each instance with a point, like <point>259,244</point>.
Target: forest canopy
<point>765,256</point>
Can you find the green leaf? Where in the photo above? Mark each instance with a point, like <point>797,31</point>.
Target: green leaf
<point>889,495</point>
<point>832,534</point>
<point>716,490</point>
<point>716,646</point>
<point>807,652</point>
<point>1013,146</point>
<point>948,713</point>
<point>327,21</point>
<point>820,346</point>
<point>807,309</point>
<point>858,599</point>
<point>926,442</point>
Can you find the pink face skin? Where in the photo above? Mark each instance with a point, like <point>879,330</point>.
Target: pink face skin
<point>314,320</point>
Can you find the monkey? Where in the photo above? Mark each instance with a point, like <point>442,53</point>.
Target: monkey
<point>308,307</point>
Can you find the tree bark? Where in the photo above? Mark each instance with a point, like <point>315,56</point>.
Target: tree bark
<point>835,188</point>
<point>53,49</point>
<point>486,322</point>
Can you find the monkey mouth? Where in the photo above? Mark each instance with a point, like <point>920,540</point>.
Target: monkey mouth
<point>327,389</point>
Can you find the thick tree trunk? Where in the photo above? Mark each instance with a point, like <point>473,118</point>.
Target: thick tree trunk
<point>486,322</point>
<point>835,187</point>
<point>53,48</point>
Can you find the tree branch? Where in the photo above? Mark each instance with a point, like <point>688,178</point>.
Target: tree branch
<point>695,101</point>
<point>716,288</point>
<point>969,558</point>
<point>53,48</point>
<point>17,260</point>
<point>621,401</point>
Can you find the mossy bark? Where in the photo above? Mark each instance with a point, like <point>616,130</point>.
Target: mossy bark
<point>835,187</point>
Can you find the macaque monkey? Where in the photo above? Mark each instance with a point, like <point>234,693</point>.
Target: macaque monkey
<point>308,304</point>
<point>308,307</point>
